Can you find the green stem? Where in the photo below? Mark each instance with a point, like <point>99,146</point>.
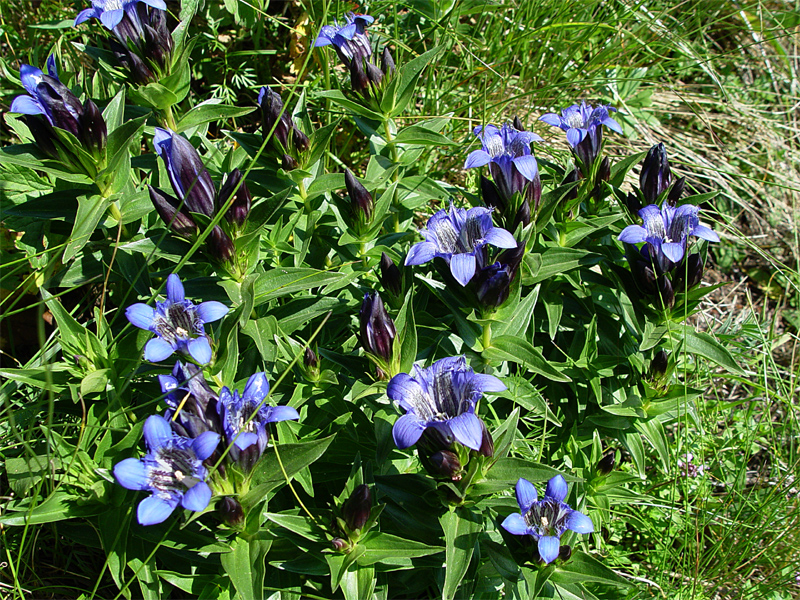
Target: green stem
<point>387,130</point>
<point>169,117</point>
<point>486,339</point>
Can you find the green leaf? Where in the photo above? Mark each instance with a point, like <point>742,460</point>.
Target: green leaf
<point>49,377</point>
<point>420,135</point>
<point>283,281</point>
<point>337,97</point>
<point>244,564</point>
<point>211,110</point>
<point>699,342</point>
<point>75,338</point>
<point>358,582</point>
<point>582,568</point>
<point>509,348</point>
<point>58,506</point>
<point>409,74</point>
<point>518,324</point>
<point>388,549</point>
<point>90,210</point>
<point>153,95</point>
<point>114,111</point>
<point>461,528</point>
<point>408,337</point>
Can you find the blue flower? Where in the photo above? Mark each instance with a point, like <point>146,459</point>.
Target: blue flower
<point>666,232</point>
<point>187,388</point>
<point>36,103</point>
<point>173,471</point>
<point>349,38</point>
<point>177,323</point>
<point>443,396</point>
<point>507,151</point>
<point>111,12</point>
<point>546,519</point>
<point>245,419</point>
<point>187,173</point>
<point>583,125</point>
<point>457,236</point>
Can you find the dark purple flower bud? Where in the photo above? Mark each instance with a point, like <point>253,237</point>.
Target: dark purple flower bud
<point>60,104</point>
<point>518,124</point>
<point>288,163</point>
<point>271,117</point>
<point>43,134</point>
<point>564,553</point>
<point>339,544</point>
<point>487,443</point>
<point>492,285</point>
<point>524,213</point>
<point>606,464</point>
<point>644,277</point>
<point>604,170</point>
<point>666,295</point>
<point>358,78</point>
<point>377,328</point>
<point>142,74</point>
<point>242,200</point>
<point>688,273</point>
<point>360,199</point>
<point>187,173</point>
<point>374,74</point>
<point>676,192</point>
<point>357,507</point>
<point>92,129</point>
<point>231,511</point>
<point>387,62</point>
<point>446,464</point>
<point>633,203</point>
<point>655,176</point>
<point>310,358</point>
<point>157,45</point>
<point>433,440</point>
<point>390,277</point>
<point>220,245</point>
<point>300,140</point>
<point>659,364</point>
<point>175,216</point>
<point>491,197</point>
<point>572,177</point>
<point>512,256</point>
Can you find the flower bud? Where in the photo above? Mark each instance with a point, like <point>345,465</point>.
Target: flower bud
<point>310,358</point>
<point>43,134</point>
<point>339,544</point>
<point>655,176</point>
<point>220,245</point>
<point>177,219</point>
<point>271,117</point>
<point>288,163</point>
<point>387,62</point>
<point>524,213</point>
<point>187,173</point>
<point>604,170</point>
<point>231,511</point>
<point>357,507</point>
<point>92,128</point>
<point>491,197</point>
<point>390,277</point>
<point>659,364</point>
<point>446,464</point>
<point>374,74</point>
<point>572,177</point>
<point>360,199</point>
<point>666,295</point>
<point>517,124</point>
<point>606,464</point>
<point>240,207</point>
<point>487,443</point>
<point>644,277</point>
<point>676,192</point>
<point>688,273</point>
<point>300,140</point>
<point>564,552</point>
<point>492,284</point>
<point>358,78</point>
<point>377,328</point>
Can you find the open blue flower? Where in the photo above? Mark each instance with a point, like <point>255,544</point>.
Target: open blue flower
<point>457,236</point>
<point>173,471</point>
<point>508,154</point>
<point>37,103</point>
<point>583,125</point>
<point>245,419</point>
<point>188,392</point>
<point>443,396</point>
<point>546,519</point>
<point>111,12</point>
<point>666,232</point>
<point>349,38</point>
<point>177,323</point>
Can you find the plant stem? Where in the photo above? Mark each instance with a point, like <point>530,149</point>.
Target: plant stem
<point>486,339</point>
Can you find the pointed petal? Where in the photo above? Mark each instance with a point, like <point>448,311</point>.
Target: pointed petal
<point>704,232</point>
<point>245,440</point>
<point>205,444</point>
<point>85,15</point>
<point>156,431</point>
<point>256,389</point>
<point>140,315</point>
<point>551,119</point>
<point>557,488</point>
<point>200,350</point>
<point>575,136</point>
<point>159,4</point>
<point>131,474</point>
<point>197,497</point>
<point>467,429</point>
<point>167,383</point>
<point>157,350</point>
<point>612,124</point>
<point>153,510</point>
<point>406,391</point>
<point>477,158</point>
<point>52,70</point>
<point>211,311</point>
<point>25,105</point>
<point>111,18</point>
<point>501,238</point>
<point>515,524</point>
<point>548,548</point>
<point>407,430</point>
<point>282,413</point>
<point>527,166</point>
<point>633,234</point>
<point>463,266</point>
<point>526,494</point>
<point>175,291</point>
<point>673,251</point>
<point>488,383</point>
<point>420,253</point>
<point>579,522</point>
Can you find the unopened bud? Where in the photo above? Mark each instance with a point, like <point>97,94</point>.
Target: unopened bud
<point>360,199</point>
<point>666,294</point>
<point>644,277</point>
<point>676,192</point>
<point>374,74</point>
<point>288,163</point>
<point>179,220</point>
<point>518,124</point>
<point>659,364</point>
<point>606,464</point>
<point>274,124</point>
<point>242,200</point>
<point>524,213</point>
<point>300,140</point>
<point>446,464</point>
<point>564,552</point>
<point>92,129</point>
<point>633,203</point>
<point>377,328</point>
<point>310,358</point>
<point>339,544</point>
<point>492,284</point>
<point>358,78</point>
<point>604,170</point>
<point>387,62</point>
<point>491,197</point>
<point>487,443</point>
<point>573,177</point>
<point>655,176</point>
<point>390,277</point>
<point>231,511</point>
<point>221,246</point>
<point>357,507</point>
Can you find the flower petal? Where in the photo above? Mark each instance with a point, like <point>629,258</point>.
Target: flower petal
<point>463,266</point>
<point>205,444</point>
<point>704,232</point>
<point>420,253</point>
<point>111,18</point>
<point>200,350</point>
<point>157,350</point>
<point>159,4</point>
<point>131,474</point>
<point>633,234</point>
<point>175,291</point>
<point>548,548</point>
<point>477,158</point>
<point>211,311</point>
<point>673,251</point>
<point>156,431</point>
<point>407,430</point>
<point>612,124</point>
<point>557,488</point>
<point>197,497</point>
<point>406,391</point>
<point>488,383</point>
<point>467,429</point>
<point>85,15</point>
<point>526,494</point>
<point>281,413</point>
<point>245,439</point>
<point>575,136</point>
<point>140,315</point>
<point>579,522</point>
<point>256,389</point>
<point>551,119</point>
<point>497,236</point>
<point>515,524</point>
<point>154,510</point>
<point>25,105</point>
<point>527,166</point>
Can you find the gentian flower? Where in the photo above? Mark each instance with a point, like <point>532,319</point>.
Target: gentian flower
<point>377,330</point>
<point>277,123</point>
<point>655,176</point>
<point>508,154</point>
<point>111,12</point>
<point>177,323</point>
<point>350,38</point>
<point>245,419</point>
<point>546,519</point>
<point>493,283</point>
<point>666,232</point>
<point>583,125</point>
<point>442,396</point>
<point>172,470</point>
<point>457,236</point>
<point>187,388</point>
